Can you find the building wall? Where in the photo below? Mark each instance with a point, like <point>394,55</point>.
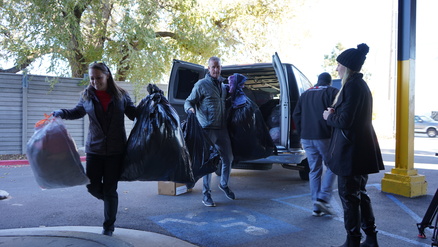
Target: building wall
<point>24,99</point>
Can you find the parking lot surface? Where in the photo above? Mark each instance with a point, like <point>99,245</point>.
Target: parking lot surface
<point>273,208</point>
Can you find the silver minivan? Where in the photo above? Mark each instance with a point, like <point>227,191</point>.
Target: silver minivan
<point>426,125</point>
<point>275,87</point>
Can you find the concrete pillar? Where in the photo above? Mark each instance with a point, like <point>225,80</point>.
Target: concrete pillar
<point>404,179</point>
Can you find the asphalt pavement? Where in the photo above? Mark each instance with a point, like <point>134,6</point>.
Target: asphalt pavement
<point>272,208</point>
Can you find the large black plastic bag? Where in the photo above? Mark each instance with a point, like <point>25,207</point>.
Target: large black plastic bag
<point>156,149</point>
<point>53,156</point>
<point>250,138</point>
<point>249,135</point>
<point>203,154</point>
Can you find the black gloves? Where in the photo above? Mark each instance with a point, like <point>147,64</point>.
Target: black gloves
<point>58,113</point>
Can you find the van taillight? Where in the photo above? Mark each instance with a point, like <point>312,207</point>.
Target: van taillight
<point>292,125</point>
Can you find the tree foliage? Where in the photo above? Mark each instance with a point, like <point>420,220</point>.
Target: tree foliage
<point>330,62</point>
<point>138,39</point>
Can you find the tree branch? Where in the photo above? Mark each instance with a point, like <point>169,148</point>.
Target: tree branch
<point>164,34</point>
<point>20,67</point>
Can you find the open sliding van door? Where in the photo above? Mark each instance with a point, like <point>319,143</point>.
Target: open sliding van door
<point>284,102</point>
<point>183,77</point>
<point>290,153</point>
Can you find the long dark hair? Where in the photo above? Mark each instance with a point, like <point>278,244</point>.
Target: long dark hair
<point>113,89</point>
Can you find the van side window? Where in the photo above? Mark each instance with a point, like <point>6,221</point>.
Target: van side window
<point>302,79</point>
<point>185,80</point>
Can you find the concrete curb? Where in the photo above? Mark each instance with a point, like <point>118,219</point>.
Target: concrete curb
<point>22,162</point>
<point>62,238</point>
<point>87,236</point>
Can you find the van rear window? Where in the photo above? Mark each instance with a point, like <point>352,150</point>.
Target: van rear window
<point>185,79</point>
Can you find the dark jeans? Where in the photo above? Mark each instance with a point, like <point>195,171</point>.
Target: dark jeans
<point>104,172</point>
<point>222,142</point>
<point>358,212</point>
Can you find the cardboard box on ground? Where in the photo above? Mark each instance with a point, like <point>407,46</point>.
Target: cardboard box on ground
<point>172,188</point>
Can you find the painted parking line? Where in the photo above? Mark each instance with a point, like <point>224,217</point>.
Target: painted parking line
<point>227,226</point>
<point>339,217</point>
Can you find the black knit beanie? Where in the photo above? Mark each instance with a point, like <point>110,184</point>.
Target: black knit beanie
<point>354,58</point>
<point>324,79</point>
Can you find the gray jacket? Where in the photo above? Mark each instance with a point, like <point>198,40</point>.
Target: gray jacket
<point>208,99</point>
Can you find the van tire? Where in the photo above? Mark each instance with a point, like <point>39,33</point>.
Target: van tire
<point>431,132</point>
<point>304,173</point>
<point>219,169</point>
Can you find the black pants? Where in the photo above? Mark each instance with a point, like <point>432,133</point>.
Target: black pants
<point>104,173</point>
<point>358,212</point>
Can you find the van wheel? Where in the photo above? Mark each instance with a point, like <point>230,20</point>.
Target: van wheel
<point>219,169</point>
<point>431,132</point>
<point>304,173</point>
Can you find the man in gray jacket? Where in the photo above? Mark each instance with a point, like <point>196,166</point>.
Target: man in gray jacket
<point>207,100</point>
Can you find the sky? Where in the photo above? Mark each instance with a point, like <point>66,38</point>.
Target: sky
<point>351,22</point>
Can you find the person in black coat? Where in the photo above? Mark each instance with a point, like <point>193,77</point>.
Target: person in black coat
<point>106,105</point>
<point>315,138</point>
<point>354,149</point>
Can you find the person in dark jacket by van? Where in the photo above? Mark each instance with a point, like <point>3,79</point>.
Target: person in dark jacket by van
<point>106,105</point>
<point>207,100</point>
<point>315,138</point>
<point>354,149</point>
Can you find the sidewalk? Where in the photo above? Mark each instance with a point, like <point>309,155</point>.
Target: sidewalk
<point>83,236</point>
<point>80,236</point>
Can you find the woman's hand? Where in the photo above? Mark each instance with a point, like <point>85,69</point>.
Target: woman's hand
<point>58,113</point>
<point>327,112</point>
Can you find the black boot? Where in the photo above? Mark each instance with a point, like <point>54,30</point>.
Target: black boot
<point>352,241</point>
<point>370,240</point>
<point>96,191</point>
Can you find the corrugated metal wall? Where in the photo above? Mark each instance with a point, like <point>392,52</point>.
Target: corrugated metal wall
<point>25,98</point>
<point>11,114</point>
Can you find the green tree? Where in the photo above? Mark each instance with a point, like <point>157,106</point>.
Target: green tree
<point>330,63</point>
<point>137,38</point>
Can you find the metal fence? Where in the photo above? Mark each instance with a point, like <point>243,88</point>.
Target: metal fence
<point>434,115</point>
<point>24,99</point>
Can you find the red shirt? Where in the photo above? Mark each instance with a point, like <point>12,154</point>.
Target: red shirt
<point>104,99</point>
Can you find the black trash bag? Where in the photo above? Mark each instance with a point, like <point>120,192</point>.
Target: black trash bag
<point>274,118</point>
<point>156,150</point>
<point>204,156</point>
<point>249,134</point>
<point>53,156</point>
